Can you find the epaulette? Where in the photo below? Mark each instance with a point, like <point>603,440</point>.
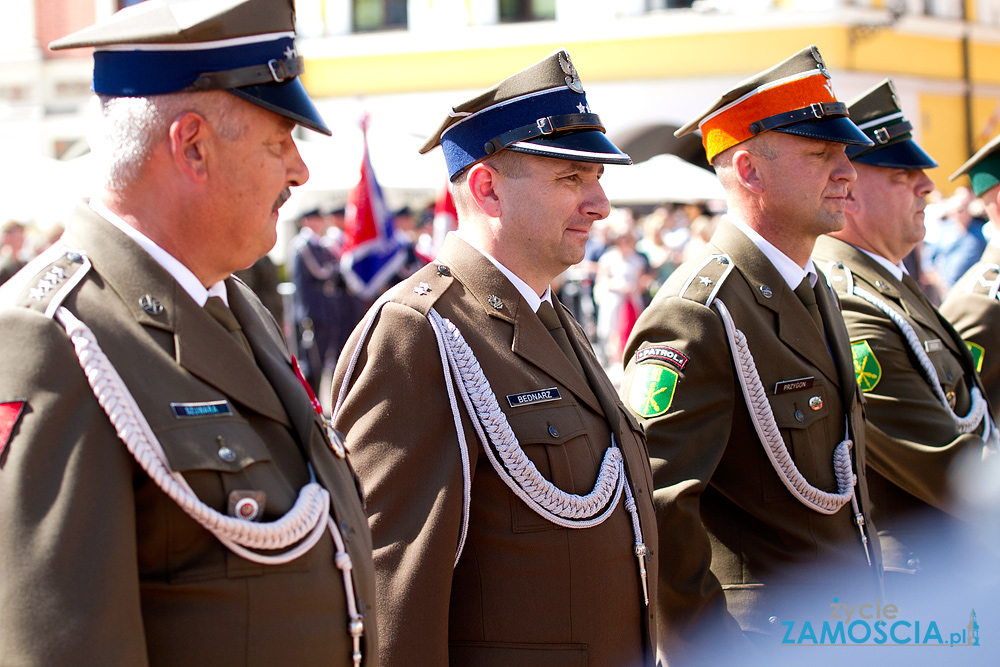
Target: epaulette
<point>984,280</point>
<point>57,273</point>
<point>422,290</point>
<point>839,277</point>
<point>706,280</point>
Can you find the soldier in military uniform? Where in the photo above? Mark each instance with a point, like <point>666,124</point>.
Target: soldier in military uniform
<point>171,495</point>
<point>924,404</point>
<point>508,489</point>
<point>740,372</point>
<point>971,305</point>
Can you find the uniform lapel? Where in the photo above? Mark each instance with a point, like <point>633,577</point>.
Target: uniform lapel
<point>202,347</point>
<point>795,326</point>
<point>531,340</point>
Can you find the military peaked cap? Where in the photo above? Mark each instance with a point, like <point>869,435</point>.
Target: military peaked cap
<point>541,110</point>
<point>878,113</point>
<point>795,97</point>
<point>983,168</point>
<point>170,46</point>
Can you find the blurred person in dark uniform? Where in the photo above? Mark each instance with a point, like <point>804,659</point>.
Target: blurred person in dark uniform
<point>325,312</point>
<point>924,405</point>
<point>508,489</point>
<point>741,374</point>
<point>173,494</point>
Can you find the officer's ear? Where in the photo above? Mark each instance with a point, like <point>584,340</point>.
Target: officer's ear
<point>747,170</point>
<point>482,182</point>
<point>187,138</point>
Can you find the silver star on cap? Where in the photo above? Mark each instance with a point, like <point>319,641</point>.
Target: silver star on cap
<point>289,52</point>
<point>705,280</point>
<point>422,289</point>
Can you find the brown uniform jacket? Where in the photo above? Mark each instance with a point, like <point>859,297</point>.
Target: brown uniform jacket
<point>524,592</point>
<point>734,542</point>
<point>100,567</point>
<point>912,439</point>
<point>972,307</point>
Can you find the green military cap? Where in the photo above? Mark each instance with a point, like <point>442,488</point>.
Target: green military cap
<point>795,97</point>
<point>246,47</point>
<point>541,110</point>
<point>878,113</point>
<point>983,168</point>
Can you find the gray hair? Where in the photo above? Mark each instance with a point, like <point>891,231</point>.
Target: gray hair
<point>130,128</point>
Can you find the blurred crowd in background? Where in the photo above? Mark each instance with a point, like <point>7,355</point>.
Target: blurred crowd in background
<point>631,253</point>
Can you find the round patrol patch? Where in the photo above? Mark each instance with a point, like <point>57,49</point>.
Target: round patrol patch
<point>652,390</point>
<point>867,369</point>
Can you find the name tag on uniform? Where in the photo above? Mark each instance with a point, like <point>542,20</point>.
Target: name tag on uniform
<point>208,409</point>
<point>532,397</point>
<point>933,345</point>
<point>793,385</point>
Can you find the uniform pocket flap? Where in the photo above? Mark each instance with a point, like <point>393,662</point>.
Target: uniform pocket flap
<point>546,424</point>
<point>225,444</point>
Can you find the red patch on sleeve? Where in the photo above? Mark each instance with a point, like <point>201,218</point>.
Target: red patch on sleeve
<point>10,412</point>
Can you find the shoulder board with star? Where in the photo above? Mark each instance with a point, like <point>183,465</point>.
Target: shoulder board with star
<point>46,282</point>
<point>984,278</point>
<point>704,282</point>
<point>422,290</point>
<point>839,277</point>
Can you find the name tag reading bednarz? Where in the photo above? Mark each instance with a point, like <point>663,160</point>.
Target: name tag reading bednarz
<point>532,397</point>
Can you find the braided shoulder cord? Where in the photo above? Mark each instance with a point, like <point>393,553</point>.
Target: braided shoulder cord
<point>303,524</point>
<point>977,410</point>
<point>763,421</point>
<point>518,471</point>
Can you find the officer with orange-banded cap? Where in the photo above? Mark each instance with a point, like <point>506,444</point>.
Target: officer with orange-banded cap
<point>740,371</point>
<point>171,492</point>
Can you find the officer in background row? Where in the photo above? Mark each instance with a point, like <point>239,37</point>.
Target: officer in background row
<point>325,312</point>
<point>924,405</point>
<point>171,495</point>
<point>740,372</point>
<point>509,492</point>
<point>971,305</point>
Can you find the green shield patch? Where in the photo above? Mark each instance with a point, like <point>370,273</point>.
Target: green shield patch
<point>867,369</point>
<point>652,390</point>
<point>977,355</point>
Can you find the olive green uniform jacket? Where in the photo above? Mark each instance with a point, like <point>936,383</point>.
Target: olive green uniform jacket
<point>734,542</point>
<point>912,439</point>
<point>972,307</point>
<point>99,566</point>
<point>524,591</point>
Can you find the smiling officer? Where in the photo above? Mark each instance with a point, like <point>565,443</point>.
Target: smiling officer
<point>508,489</point>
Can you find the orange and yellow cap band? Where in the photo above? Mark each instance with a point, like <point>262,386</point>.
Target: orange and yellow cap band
<point>730,125</point>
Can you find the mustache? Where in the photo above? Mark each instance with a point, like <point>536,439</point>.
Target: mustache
<point>282,198</point>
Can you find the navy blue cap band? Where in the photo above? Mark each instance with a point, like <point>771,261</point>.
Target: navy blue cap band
<point>159,69</point>
<point>464,143</point>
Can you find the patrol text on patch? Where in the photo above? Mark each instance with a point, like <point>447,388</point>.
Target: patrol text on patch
<point>531,397</point>
<point>207,409</point>
<point>663,353</point>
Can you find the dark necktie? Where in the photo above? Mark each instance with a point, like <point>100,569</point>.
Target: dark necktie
<point>548,316</point>
<point>218,309</point>
<point>808,298</point>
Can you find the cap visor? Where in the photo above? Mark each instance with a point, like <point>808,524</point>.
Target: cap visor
<point>288,99</point>
<point>840,129</point>
<point>902,155</point>
<point>589,146</point>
